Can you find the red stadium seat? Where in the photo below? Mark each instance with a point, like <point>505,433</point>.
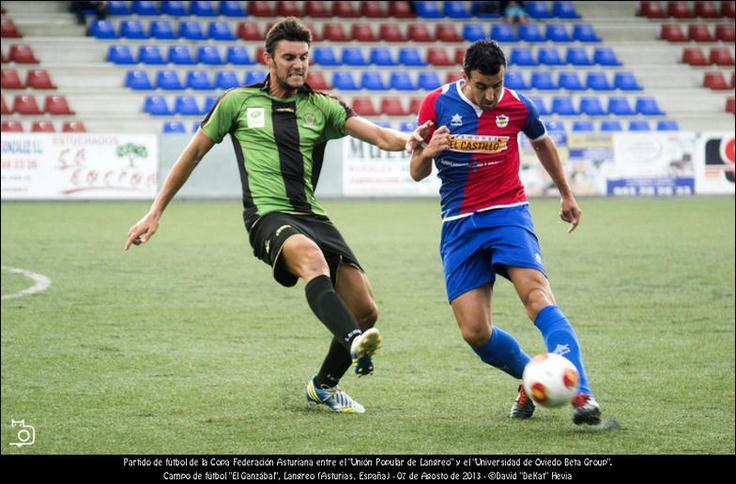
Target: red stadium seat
<point>73,127</point>
<point>679,10</point>
<point>651,10</point>
<point>316,10</point>
<point>342,9</point>
<point>316,36</point>
<point>437,56</point>
<point>249,31</point>
<point>5,109</point>
<point>706,10</point>
<point>728,9</point>
<point>364,106</point>
<point>287,9</point>
<point>694,56</point>
<point>57,105</point>
<point>26,105</point>
<point>260,9</point>
<point>8,30</point>
<point>420,33</point>
<point>22,54</point>
<point>363,33</point>
<point>731,105</point>
<point>12,127</point>
<point>259,55</point>
<point>672,33</point>
<point>733,80</point>
<point>453,76</point>
<point>43,127</point>
<point>721,56</point>
<point>400,9</point>
<point>414,104</point>
<point>334,32</point>
<point>39,79</point>
<point>391,33</point>
<point>725,32</point>
<point>317,81</point>
<point>11,80</point>
<point>391,106</point>
<point>447,33</point>
<point>459,56</point>
<point>715,81</point>
<point>699,33</point>
<point>3,58</point>
<point>372,9</point>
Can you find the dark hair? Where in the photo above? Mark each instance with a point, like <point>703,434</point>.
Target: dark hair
<point>290,28</point>
<point>485,56</point>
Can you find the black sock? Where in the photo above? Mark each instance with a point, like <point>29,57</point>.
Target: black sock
<point>331,310</point>
<point>336,363</point>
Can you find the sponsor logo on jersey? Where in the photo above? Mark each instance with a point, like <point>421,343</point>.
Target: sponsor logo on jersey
<point>502,120</point>
<point>255,117</point>
<point>456,120</point>
<point>464,143</point>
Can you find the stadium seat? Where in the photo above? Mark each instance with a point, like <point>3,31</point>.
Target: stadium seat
<point>238,55</point>
<point>591,106</point>
<point>363,33</point>
<point>209,103</point>
<point>694,56</point>
<point>569,80</point>
<point>731,105</point>
<point>22,54</point>
<point>25,105</point>
<point>611,126</point>
<point>538,10</point>
<point>157,106</point>
<point>619,106</point>
<point>578,56</point>
<point>390,33</point>
<point>145,8</point>
<point>199,80</point>
<point>447,33</point>
<point>728,9</point>
<point>721,56</point>
<point>502,32</point>
<point>564,10</point>
<point>672,33</point>
<point>414,104</point>
<point>391,106</point>
<point>549,56</point>
<point>667,125</point>
<point>585,33</point>
<point>699,33</point>
<point>191,30</point>
<point>530,33</point>
<point>651,10</point>
<point>204,9</point>
<point>173,127</point>
<point>3,58</point>
<point>162,30</point>
<point>209,55</point>
<point>287,9</point>
<point>522,56</point>
<point>220,31</point>
<point>138,80</point>
<point>372,9</point>
<point>716,81</point>
<point>562,105</point>
<point>639,125</point>
<point>249,31</point>
<point>408,126</point>
<point>473,32</point>
<point>342,9</point>
<point>647,106</point>
<point>455,10</point>
<point>344,81</point>
<point>317,81</point>
<point>334,33</point>
<point>400,9</point>
<point>325,56</point>
<point>259,58</point>
<point>132,29</point>
<point>540,105</point>
<point>353,56</point>
<point>5,110</point>
<point>428,10</point>
<point>73,127</point>
<point>452,76</point>
<point>12,127</point>
<point>8,29</point>
<point>39,79</point>
<point>597,81</point>
<point>555,127</point>
<point>364,106</point>
<point>420,33</point>
<point>226,80</point>
<point>428,80</point>
<point>168,80</point>
<point>261,9</point>
<point>254,77</point>
<point>514,79</point>
<point>102,29</point>
<point>409,56</point>
<point>582,127</point>
<point>57,106</point>
<point>186,106</point>
<point>679,10</point>
<point>542,81</point>
<point>120,54</point>
<point>381,56</point>
<point>11,80</point>
<point>43,127</point>
<point>725,32</point>
<point>706,10</point>
<point>372,81</point>
<point>232,9</point>
<point>180,55</point>
<point>401,81</point>
<point>605,56</point>
<point>150,55</point>
<point>437,56</point>
<point>459,56</point>
<point>557,33</point>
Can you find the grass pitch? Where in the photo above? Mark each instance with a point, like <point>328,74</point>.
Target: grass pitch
<point>187,345</point>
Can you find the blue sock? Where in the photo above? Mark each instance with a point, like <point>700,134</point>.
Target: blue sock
<point>503,351</point>
<point>559,337</point>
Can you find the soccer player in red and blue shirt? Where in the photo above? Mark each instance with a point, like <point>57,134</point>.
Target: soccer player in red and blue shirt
<point>486,224</point>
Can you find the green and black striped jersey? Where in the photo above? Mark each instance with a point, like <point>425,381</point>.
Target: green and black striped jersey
<point>279,145</point>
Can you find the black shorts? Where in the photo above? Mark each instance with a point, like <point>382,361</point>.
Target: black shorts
<point>270,231</point>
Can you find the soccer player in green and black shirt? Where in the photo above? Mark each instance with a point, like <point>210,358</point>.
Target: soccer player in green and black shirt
<point>279,130</point>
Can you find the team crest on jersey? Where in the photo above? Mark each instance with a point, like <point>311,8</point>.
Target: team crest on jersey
<point>456,120</point>
<point>502,120</point>
<point>255,117</point>
<point>310,121</point>
<point>465,143</point>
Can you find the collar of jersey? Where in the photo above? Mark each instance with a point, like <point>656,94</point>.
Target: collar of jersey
<point>478,111</point>
<point>266,84</point>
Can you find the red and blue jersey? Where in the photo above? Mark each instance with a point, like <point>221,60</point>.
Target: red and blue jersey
<point>480,170</point>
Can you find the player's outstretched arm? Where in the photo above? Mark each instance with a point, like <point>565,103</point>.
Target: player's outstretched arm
<point>142,231</point>
<point>550,159</point>
<point>385,138</point>
<point>420,166</point>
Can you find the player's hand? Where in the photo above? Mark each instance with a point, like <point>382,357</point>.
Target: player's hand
<point>142,232</point>
<point>570,212</point>
<point>418,136</point>
<point>440,141</point>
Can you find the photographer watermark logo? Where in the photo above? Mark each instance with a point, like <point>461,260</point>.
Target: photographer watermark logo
<point>26,433</point>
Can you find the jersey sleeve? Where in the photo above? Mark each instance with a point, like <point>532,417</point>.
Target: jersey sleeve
<point>428,112</point>
<point>336,114</point>
<point>533,128</point>
<point>220,119</point>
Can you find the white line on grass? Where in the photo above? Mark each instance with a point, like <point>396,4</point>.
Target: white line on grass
<point>42,283</point>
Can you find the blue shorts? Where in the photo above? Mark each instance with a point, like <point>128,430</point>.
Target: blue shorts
<point>477,247</point>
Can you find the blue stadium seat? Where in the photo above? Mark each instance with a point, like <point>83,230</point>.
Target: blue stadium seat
<point>173,127</point>
<point>138,80</point>
<point>146,9</point>
<point>585,33</point>
<point>232,9</point>
<point>168,80</point>
<point>639,125</point>
<point>157,106</point>
<point>132,29</point>
<point>150,55</point>
<point>187,106</point>
<point>515,80</point>
<point>353,56</point>
<point>480,9</point>
<point>117,7</point>
<point>598,81</point>
<point>162,29</point>
<point>220,31</point>
<point>582,127</point>
<point>174,9</point>
<point>569,80</point>
<point>550,56</point>
<point>191,30</point>
<point>180,55</point>
<point>557,33</point>
<point>563,106</point>
<point>102,29</point>
<point>522,56</point>
<point>428,80</point>
<point>408,126</point>
<point>605,56</point>
<point>591,106</point>
<point>120,54</point>
<point>539,103</point>
<point>564,10</point>
<point>648,106</point>
<point>209,103</point>
<point>428,10</point>
<point>381,56</point>
<point>203,9</point>
<point>473,32</point>
<point>238,55</point>
<point>344,80</point>
<point>667,125</point>
<point>455,10</point>
<point>502,32</point>
<point>255,77</point>
<point>555,127</point>
<point>226,80</point>
<point>537,10</point>
<point>578,56</point>
<point>401,81</point>
<point>199,80</point>
<point>383,124</point>
<point>410,56</point>
<point>196,124</point>
<point>611,125</point>
<point>542,81</point>
<point>626,81</point>
<point>209,55</point>
<point>531,33</point>
<point>373,81</point>
<point>325,56</point>
<point>619,106</point>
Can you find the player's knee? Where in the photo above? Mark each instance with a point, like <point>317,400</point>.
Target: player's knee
<point>475,335</point>
<point>368,316</point>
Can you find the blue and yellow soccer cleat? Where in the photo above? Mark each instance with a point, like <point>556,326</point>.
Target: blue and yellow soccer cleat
<point>362,349</point>
<point>335,398</point>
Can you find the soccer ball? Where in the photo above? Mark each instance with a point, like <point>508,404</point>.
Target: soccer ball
<point>551,380</point>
